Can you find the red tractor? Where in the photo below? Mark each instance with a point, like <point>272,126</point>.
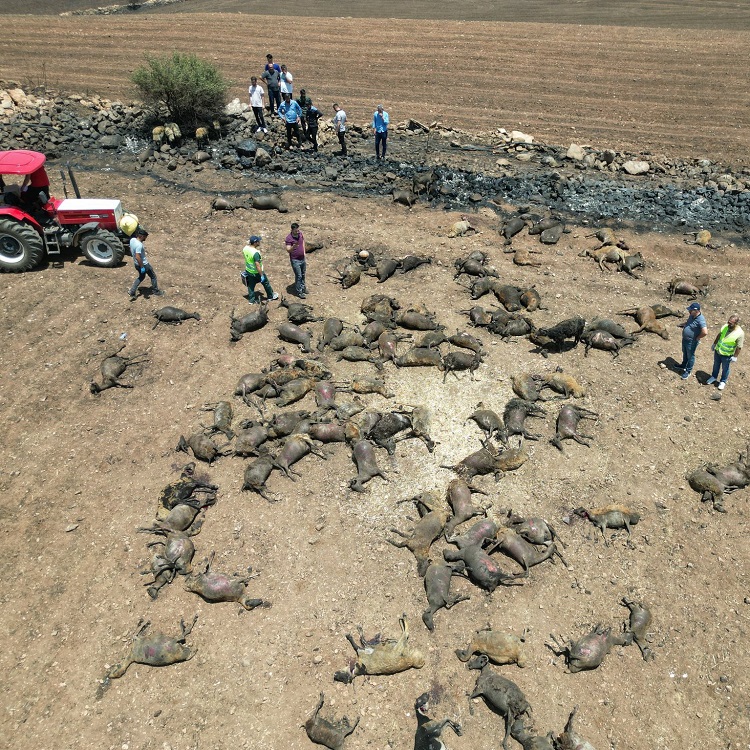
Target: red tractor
<point>33,224</point>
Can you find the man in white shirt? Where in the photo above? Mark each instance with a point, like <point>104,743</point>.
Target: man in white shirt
<point>256,102</point>
<point>286,81</point>
<point>339,125</point>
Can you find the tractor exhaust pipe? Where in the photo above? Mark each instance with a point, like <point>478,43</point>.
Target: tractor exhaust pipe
<point>73,180</point>
<point>64,182</point>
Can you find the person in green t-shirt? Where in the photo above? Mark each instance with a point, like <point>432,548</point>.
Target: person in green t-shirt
<point>253,273</point>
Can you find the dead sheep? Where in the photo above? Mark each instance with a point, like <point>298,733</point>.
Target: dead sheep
<point>500,648</point>
<point>328,732</point>
<point>500,694</point>
<point>112,367</point>
<point>173,315</point>
<point>567,426</point>
<point>154,650</point>
<point>640,620</point>
<point>426,530</point>
<point>429,730</point>
<point>564,384</point>
<point>690,288</point>
<point>588,652</point>
<point>219,587</point>
<point>515,547</point>
<point>382,656</point>
<point>572,328</point>
<point>610,517</point>
<point>437,582</point>
<point>460,228</point>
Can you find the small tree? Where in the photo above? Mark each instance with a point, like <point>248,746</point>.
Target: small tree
<point>193,90</point>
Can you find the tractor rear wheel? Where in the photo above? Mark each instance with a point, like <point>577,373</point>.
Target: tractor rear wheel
<point>21,246</point>
<point>103,248</point>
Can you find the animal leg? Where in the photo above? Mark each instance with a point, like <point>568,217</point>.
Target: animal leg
<point>186,629</point>
<point>455,599</point>
<point>582,439</point>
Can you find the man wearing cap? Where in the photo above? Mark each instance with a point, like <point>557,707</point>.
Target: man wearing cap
<point>138,251</point>
<point>693,330</point>
<point>727,347</point>
<point>253,273</point>
<point>380,122</point>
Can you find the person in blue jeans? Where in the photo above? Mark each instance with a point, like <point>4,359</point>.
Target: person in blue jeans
<point>254,273</point>
<point>727,347</point>
<point>295,246</point>
<point>693,330</point>
<point>140,261</point>
<point>380,122</point>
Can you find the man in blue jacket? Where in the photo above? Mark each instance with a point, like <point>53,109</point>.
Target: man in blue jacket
<point>380,122</point>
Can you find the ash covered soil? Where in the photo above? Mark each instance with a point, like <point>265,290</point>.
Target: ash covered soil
<point>80,474</point>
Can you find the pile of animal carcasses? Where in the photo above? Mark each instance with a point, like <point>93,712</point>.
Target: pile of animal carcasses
<point>453,535</point>
<point>714,482</point>
<point>373,262</point>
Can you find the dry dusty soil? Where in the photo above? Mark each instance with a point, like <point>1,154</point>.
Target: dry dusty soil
<point>80,474</point>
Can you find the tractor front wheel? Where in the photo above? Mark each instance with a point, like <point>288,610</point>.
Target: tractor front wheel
<point>103,248</point>
<point>21,246</point>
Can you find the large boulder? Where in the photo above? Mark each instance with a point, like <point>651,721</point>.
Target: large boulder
<point>635,166</point>
<point>235,108</point>
<point>575,152</point>
<point>248,147</point>
<point>262,158</point>
<point>110,141</point>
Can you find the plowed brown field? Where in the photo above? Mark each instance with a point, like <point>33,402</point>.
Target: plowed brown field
<point>666,91</point>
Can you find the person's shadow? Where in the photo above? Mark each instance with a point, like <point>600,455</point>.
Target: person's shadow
<point>672,364</point>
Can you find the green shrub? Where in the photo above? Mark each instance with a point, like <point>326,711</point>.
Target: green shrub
<point>193,90</point>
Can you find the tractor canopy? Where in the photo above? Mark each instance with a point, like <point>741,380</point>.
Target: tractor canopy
<point>20,162</point>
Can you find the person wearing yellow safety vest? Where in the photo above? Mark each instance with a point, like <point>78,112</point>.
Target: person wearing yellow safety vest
<point>727,347</point>
<point>253,273</point>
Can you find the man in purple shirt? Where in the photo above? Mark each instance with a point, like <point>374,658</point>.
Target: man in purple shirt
<point>295,246</point>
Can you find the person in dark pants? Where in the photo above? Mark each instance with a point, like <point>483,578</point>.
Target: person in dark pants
<point>339,125</point>
<point>380,122</point>
<point>256,102</point>
<point>305,102</point>
<point>138,251</point>
<point>693,330</point>
<point>295,246</point>
<point>313,115</point>
<point>272,77</point>
<point>254,273</point>
<point>291,114</point>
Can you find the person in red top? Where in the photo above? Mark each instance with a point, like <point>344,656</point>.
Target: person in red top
<point>35,188</point>
<point>295,246</point>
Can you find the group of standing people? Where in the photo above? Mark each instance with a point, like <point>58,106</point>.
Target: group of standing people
<point>254,273</point>
<point>300,115</point>
<point>726,346</point>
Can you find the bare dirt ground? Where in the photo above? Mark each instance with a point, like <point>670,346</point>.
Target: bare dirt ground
<point>99,463</point>
<point>96,465</point>
<point>661,90</point>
